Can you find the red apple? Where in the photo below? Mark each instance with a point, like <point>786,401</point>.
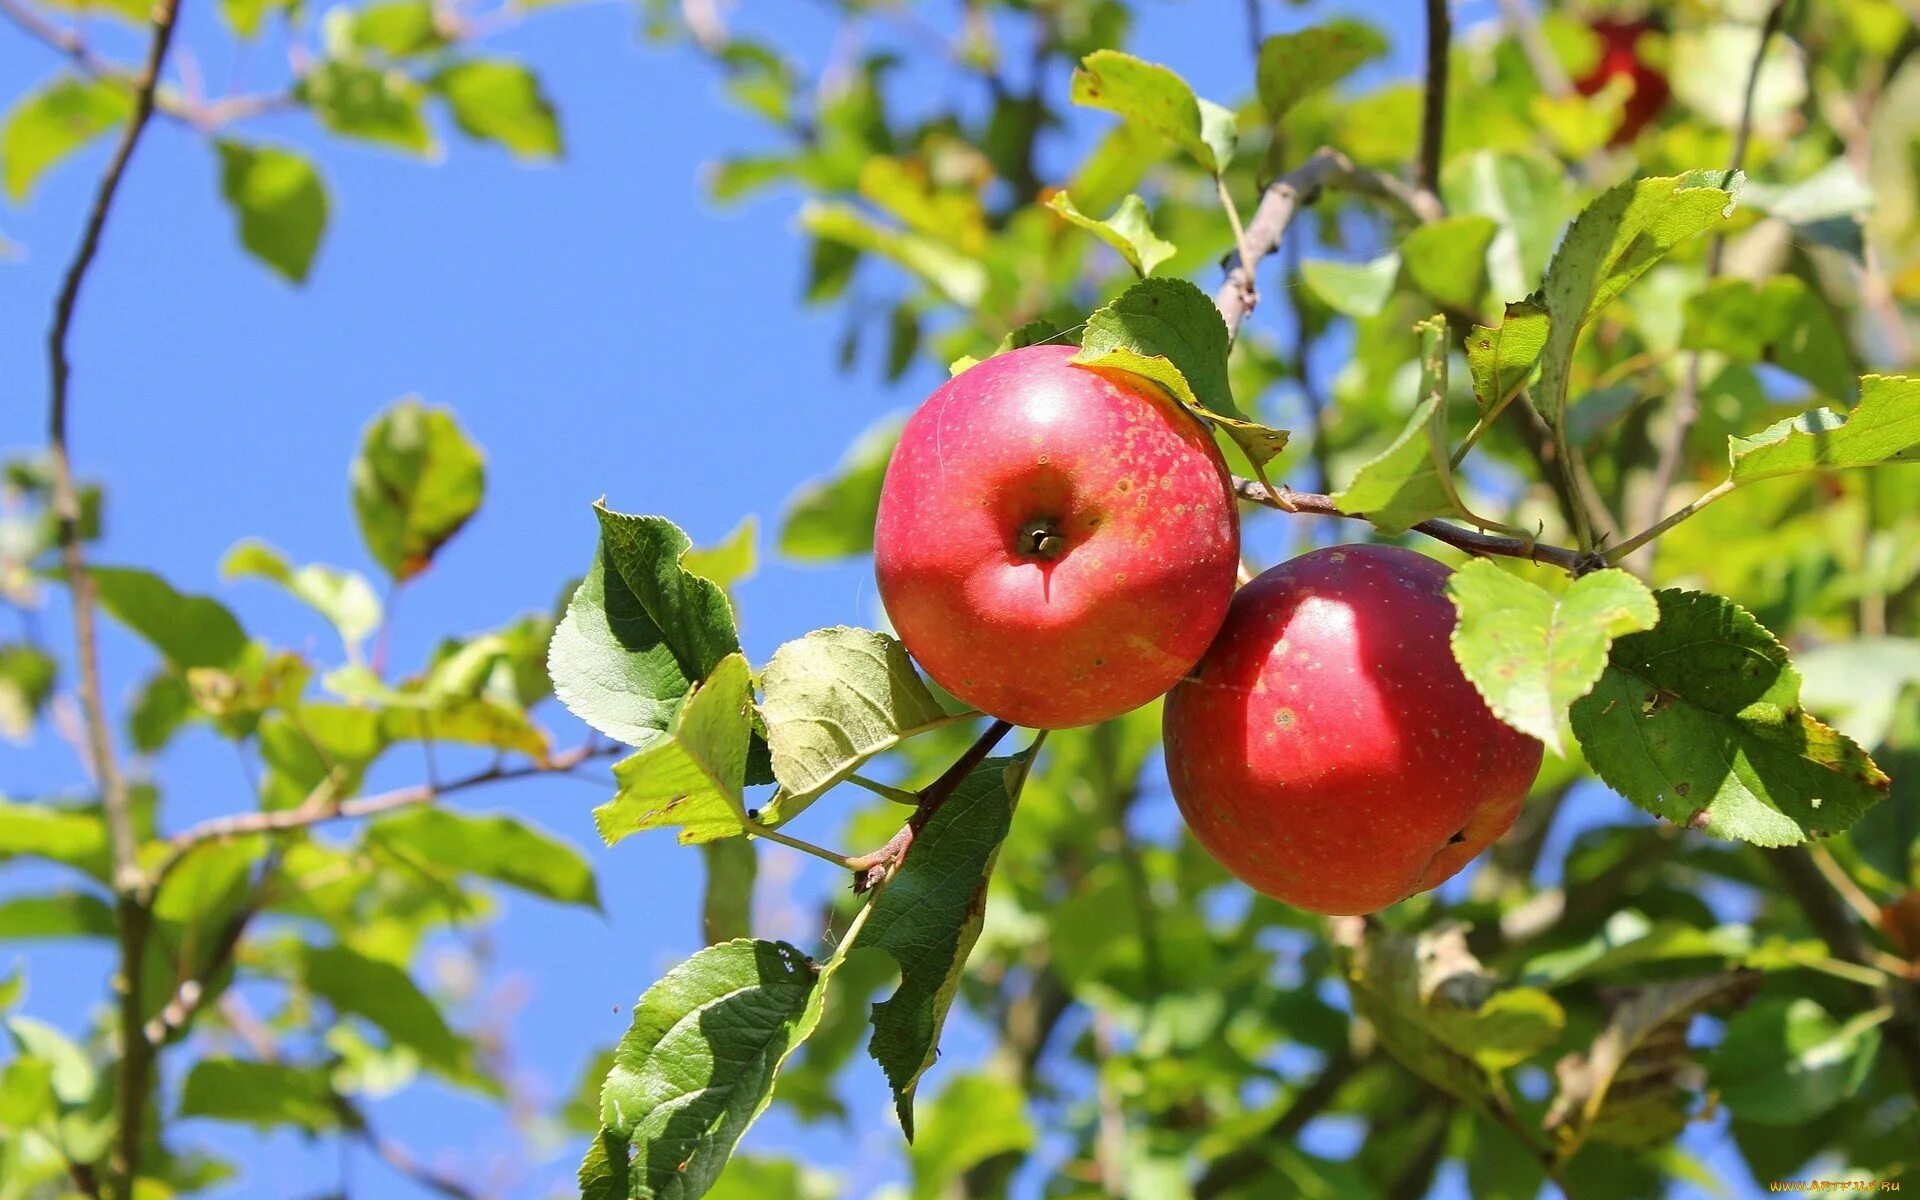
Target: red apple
<point>1055,545</point>
<point>1328,751</point>
<point>1621,58</point>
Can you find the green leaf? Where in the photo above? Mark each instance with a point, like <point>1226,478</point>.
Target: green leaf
<point>611,665</point>
<point>1128,230</point>
<point>1629,943</point>
<point>930,915</point>
<point>1699,722</point>
<point>396,28</point>
<point>53,122</point>
<point>1447,259</point>
<point>697,1066</point>
<point>1156,97</point>
<point>1610,244</point>
<point>1626,1090</point>
<point>497,100</point>
<point>260,1094</point>
<point>189,631</point>
<point>1411,480</point>
<point>731,560</point>
<point>974,1118</point>
<point>387,997</point>
<point>27,675</point>
<point>1501,357</point>
<point>1438,1011</point>
<point>60,914</point>
<point>1884,428</point>
<point>726,906</point>
<point>208,881</point>
<point>963,280</point>
<point>692,777</point>
<point>1530,653</point>
<point>833,517</point>
<point>1295,65</point>
<point>416,481</point>
<point>1785,1061</point>
<point>494,846</point>
<point>75,837</point>
<point>376,104</point>
<point>834,699</point>
<point>1779,321</point>
<point>279,204</point>
<point>1170,319</point>
<point>344,598</point>
<point>691,612</point>
<point>1354,289</point>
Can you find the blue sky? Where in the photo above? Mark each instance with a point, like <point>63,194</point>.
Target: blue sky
<point>600,329</point>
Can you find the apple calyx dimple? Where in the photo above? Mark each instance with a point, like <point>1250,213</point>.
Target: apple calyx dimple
<point>1040,538</point>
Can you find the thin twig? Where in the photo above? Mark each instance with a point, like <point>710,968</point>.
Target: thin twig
<point>1470,540</point>
<point>1686,404</point>
<point>132,917</point>
<point>320,808</point>
<point>1284,196</point>
<point>1433,117</point>
<point>202,115</point>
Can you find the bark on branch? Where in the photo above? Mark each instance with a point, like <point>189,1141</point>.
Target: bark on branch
<point>1284,197</point>
<point>1472,541</point>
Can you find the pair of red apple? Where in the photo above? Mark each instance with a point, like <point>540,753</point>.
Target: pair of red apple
<point>1057,545</point>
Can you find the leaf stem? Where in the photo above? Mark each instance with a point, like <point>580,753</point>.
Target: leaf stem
<point>1248,280</point>
<point>755,829</point>
<point>884,790</point>
<point>1674,518</point>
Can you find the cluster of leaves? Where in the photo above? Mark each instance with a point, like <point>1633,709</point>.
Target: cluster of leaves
<point>1537,349</point>
<point>370,75</point>
<point>327,928</point>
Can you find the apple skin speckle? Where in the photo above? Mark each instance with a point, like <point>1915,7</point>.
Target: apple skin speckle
<point>1393,777</point>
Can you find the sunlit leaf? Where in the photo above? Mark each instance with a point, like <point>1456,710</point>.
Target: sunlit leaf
<point>1128,230</point>
<point>1530,653</point>
<point>692,777</point>
<point>1884,428</point>
<point>278,202</point>
<point>53,122</point>
<point>416,481</point>
<point>1297,64</point>
<point>1157,98</point>
<point>834,699</point>
<point>497,100</point>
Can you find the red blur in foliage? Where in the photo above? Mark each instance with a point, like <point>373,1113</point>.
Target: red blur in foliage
<point>1620,59</point>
